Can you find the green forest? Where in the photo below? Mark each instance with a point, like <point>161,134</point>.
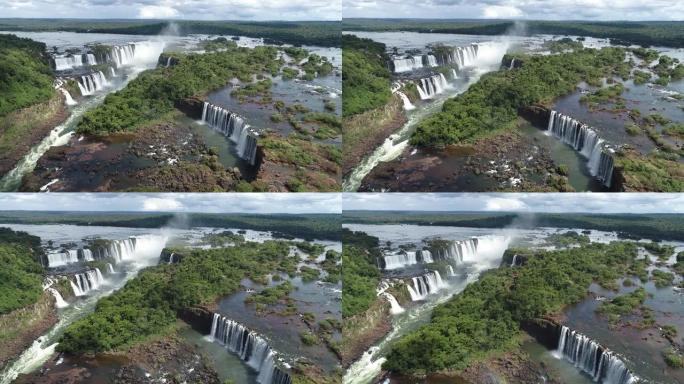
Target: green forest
<point>25,75</point>
<point>485,318</point>
<point>360,274</point>
<point>147,305</point>
<point>154,93</point>
<point>21,275</point>
<point>365,77</point>
<point>493,102</point>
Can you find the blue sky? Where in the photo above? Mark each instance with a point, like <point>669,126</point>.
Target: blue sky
<point>175,9</point>
<point>175,202</point>
<point>521,202</point>
<point>518,9</point>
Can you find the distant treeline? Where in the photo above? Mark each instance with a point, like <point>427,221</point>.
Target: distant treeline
<point>650,226</point>
<point>645,33</point>
<point>321,33</point>
<point>305,226</point>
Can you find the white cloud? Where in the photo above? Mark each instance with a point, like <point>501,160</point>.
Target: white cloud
<point>501,12</point>
<point>504,204</point>
<point>157,12</point>
<point>161,204</point>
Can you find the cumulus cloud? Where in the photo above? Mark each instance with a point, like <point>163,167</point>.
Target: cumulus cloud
<point>157,12</point>
<point>504,204</point>
<point>501,12</point>
<point>156,204</point>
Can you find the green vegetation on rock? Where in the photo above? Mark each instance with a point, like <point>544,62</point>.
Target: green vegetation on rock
<point>365,77</point>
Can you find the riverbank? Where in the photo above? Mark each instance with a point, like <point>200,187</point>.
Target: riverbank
<point>21,130</point>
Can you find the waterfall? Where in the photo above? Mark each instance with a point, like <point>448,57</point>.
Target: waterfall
<point>407,103</point>
<point>59,259</point>
<point>512,66</point>
<point>63,63</point>
<point>586,141</point>
<point>67,97</point>
<point>171,258</point>
<point>59,301</point>
<point>123,54</point>
<point>234,127</point>
<point>87,255</point>
<point>515,261</point>
<point>459,250</point>
<point>90,59</point>
<point>395,308</point>
<point>450,270</point>
<point>459,56</point>
<point>407,64</point>
<point>426,256</point>
<point>424,285</point>
<point>86,281</point>
<point>431,61</point>
<point>400,260</point>
<point>250,347</point>
<point>110,268</point>
<point>112,72</point>
<point>428,87</point>
<point>133,248</point>
<point>168,61</point>
<point>454,75</point>
<point>603,365</point>
<point>91,83</point>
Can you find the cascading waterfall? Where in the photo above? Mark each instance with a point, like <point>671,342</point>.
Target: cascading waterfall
<point>459,56</point>
<point>512,64</point>
<point>59,259</point>
<point>425,285</point>
<point>426,256</point>
<point>407,64</point>
<point>400,260</point>
<point>395,307</point>
<point>86,282</point>
<point>59,300</point>
<point>59,85</point>
<point>112,72</point>
<point>515,261</point>
<point>133,248</point>
<point>459,250</point>
<point>603,365</point>
<point>428,87</point>
<point>171,258</point>
<point>122,54</point>
<point>407,103</point>
<point>586,141</point>
<point>450,271</point>
<point>250,347</point>
<point>87,254</point>
<point>91,83</point>
<point>234,127</point>
<point>110,268</point>
<point>430,60</point>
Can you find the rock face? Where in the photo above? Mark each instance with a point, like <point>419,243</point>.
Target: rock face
<point>191,107</point>
<point>24,325</point>
<point>363,330</point>
<point>199,318</point>
<point>545,331</point>
<point>536,114</point>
